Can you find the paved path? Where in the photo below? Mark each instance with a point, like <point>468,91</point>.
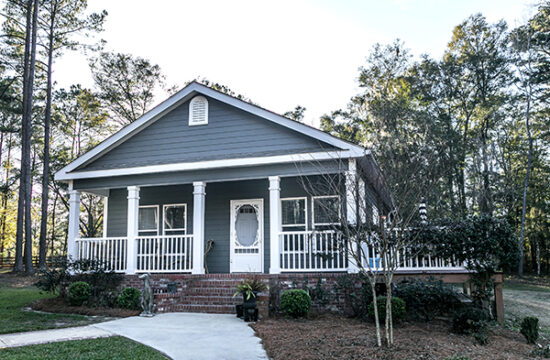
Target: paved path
<point>192,336</point>
<point>178,335</point>
<point>46,336</point>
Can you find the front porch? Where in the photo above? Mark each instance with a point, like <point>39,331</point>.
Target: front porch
<point>181,229</point>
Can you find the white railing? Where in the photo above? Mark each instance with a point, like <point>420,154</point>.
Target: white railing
<point>312,251</point>
<point>408,260</point>
<point>109,252</point>
<point>164,253</point>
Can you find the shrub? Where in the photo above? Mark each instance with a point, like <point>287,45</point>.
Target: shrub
<point>129,299</point>
<point>470,320</point>
<point>427,299</point>
<point>530,329</point>
<point>79,293</point>
<point>295,303</point>
<point>397,308</point>
<point>356,298</point>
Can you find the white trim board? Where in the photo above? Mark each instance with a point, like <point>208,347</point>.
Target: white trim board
<point>204,165</point>
<point>184,95</point>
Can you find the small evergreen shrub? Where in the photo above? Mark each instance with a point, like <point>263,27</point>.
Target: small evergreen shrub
<point>79,293</point>
<point>397,308</point>
<point>295,303</point>
<point>427,299</point>
<point>356,298</point>
<point>530,329</point>
<point>470,320</point>
<point>129,299</point>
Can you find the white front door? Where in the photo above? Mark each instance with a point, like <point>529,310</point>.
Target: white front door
<point>247,235</point>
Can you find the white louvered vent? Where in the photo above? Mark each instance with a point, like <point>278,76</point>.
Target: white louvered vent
<point>198,111</point>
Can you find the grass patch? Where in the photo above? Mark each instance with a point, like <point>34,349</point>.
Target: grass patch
<point>116,347</point>
<point>14,319</point>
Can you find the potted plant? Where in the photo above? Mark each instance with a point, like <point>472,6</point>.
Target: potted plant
<point>249,289</point>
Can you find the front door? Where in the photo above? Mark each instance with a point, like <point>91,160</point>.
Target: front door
<point>247,235</point>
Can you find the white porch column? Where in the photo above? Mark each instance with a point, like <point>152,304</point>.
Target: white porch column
<point>199,195</point>
<point>274,223</point>
<point>132,230</point>
<point>105,214</point>
<point>351,209</point>
<point>74,224</point>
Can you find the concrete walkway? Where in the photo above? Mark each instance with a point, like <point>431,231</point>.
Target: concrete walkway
<point>192,336</point>
<point>47,336</point>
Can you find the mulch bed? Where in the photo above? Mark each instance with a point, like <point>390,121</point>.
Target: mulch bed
<point>59,305</point>
<point>336,337</point>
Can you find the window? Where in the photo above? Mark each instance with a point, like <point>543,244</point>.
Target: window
<point>294,214</point>
<point>326,210</point>
<point>198,111</point>
<point>148,220</point>
<point>375,215</point>
<point>175,219</point>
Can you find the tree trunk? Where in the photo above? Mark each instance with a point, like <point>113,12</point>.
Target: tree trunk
<point>376,316</point>
<point>25,148</point>
<point>46,169</point>
<point>28,191</point>
<point>525,184</point>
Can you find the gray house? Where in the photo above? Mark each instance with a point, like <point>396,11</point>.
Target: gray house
<point>206,182</point>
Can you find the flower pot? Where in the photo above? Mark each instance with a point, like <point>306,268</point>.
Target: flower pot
<point>239,310</point>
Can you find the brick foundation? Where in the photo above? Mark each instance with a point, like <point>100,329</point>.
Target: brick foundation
<point>213,293</point>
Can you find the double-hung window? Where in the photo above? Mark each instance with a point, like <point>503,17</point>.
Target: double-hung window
<point>175,219</point>
<point>294,214</point>
<point>325,211</point>
<point>148,220</point>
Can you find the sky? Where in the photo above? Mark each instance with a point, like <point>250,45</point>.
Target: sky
<point>278,53</point>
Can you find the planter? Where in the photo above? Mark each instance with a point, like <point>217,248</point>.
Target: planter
<point>250,308</point>
<point>239,311</point>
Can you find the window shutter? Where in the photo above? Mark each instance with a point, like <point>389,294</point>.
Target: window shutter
<point>198,111</point>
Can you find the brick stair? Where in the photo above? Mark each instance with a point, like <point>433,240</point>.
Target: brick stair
<point>204,295</point>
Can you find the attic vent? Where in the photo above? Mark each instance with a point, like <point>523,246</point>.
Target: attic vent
<point>198,111</point>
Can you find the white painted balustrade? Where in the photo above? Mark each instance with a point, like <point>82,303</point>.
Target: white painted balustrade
<point>310,251</point>
<point>164,253</point>
<point>109,252</point>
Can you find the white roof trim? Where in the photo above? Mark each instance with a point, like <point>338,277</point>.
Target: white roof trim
<point>202,165</point>
<point>182,96</point>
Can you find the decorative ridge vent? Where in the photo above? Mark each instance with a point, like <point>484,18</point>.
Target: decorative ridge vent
<point>198,111</point>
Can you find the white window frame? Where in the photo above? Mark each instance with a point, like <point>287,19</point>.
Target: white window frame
<point>313,198</point>
<point>306,209</point>
<point>164,218</point>
<point>158,220</point>
<point>205,120</point>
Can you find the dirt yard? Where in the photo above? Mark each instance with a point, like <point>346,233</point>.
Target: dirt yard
<point>334,337</point>
<point>528,297</point>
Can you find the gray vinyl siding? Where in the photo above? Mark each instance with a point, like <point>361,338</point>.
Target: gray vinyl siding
<point>217,214</point>
<point>230,133</point>
<point>165,195</point>
<point>214,175</point>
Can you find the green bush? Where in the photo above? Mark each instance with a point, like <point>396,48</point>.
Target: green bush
<point>295,303</point>
<point>79,293</point>
<point>397,308</point>
<point>427,299</point>
<point>356,298</point>
<point>129,299</point>
<point>530,329</point>
<point>470,320</point>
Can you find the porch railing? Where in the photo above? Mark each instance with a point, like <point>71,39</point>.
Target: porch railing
<point>164,253</point>
<point>312,251</point>
<point>109,252</point>
<point>410,261</point>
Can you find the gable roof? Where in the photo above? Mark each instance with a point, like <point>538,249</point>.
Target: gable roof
<point>71,170</point>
